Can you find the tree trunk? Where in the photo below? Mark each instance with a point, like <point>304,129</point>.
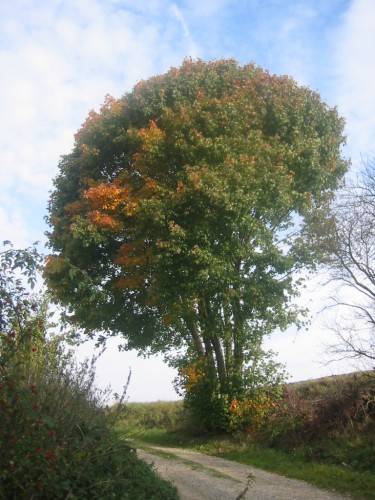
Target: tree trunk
<point>220,361</point>
<point>211,339</point>
<point>228,344</point>
<point>192,326</point>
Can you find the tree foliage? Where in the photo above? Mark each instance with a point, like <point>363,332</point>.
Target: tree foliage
<point>174,217</point>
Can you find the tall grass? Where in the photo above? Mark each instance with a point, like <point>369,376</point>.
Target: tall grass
<point>135,418</point>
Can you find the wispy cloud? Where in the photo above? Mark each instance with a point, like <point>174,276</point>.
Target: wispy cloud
<point>209,9</point>
<point>355,74</point>
<point>59,60</point>
<point>177,14</point>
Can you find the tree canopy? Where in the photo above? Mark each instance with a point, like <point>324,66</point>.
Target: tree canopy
<point>174,217</point>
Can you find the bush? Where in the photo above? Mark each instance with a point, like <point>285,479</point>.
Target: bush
<point>239,404</point>
<point>331,419</point>
<point>206,405</point>
<point>56,432</point>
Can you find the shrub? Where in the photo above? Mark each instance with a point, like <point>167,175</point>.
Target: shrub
<point>331,419</point>
<point>207,406</point>
<point>56,432</point>
<point>215,407</point>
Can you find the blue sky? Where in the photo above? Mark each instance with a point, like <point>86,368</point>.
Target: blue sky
<point>58,59</point>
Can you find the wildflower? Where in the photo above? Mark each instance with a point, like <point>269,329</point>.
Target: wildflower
<point>36,408</point>
<point>33,388</point>
<point>49,454</point>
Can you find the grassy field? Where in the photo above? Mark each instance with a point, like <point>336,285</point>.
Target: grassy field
<point>321,432</point>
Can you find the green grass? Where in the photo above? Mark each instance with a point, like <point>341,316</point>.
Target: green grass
<point>327,476</point>
<point>164,438</point>
<point>339,478</point>
<point>321,432</point>
<point>136,417</point>
<point>190,463</point>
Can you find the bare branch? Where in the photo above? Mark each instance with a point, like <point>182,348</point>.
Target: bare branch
<point>352,267</point>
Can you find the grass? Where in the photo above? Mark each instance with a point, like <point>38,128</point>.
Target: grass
<point>333,477</point>
<point>158,415</point>
<point>326,476</point>
<point>322,433</point>
<point>190,463</point>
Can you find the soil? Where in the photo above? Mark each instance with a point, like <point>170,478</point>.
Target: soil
<point>202,477</point>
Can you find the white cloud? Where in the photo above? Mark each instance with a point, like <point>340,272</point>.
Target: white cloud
<point>304,351</point>
<point>59,60</point>
<point>293,33</point>
<point>355,75</point>
<point>14,228</point>
<point>176,13</point>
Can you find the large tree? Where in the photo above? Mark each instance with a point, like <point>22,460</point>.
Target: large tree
<point>174,218</point>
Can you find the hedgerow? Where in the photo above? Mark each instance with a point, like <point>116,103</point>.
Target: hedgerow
<point>56,431</point>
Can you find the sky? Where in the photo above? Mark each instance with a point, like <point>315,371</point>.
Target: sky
<point>58,60</point>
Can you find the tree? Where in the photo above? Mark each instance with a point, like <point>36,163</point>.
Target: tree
<point>18,268</point>
<point>174,219</point>
<point>348,239</point>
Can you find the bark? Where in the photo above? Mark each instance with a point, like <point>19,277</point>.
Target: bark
<point>238,336</point>
<point>220,361</point>
<point>211,340</point>
<point>228,345</point>
<point>192,326</point>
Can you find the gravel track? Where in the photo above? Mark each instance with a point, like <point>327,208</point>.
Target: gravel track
<point>202,477</point>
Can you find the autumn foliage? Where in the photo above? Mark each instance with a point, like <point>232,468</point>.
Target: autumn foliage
<point>173,220</point>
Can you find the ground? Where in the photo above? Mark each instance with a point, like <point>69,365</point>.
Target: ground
<point>202,477</point>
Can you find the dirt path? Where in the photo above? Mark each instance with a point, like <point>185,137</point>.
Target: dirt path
<point>201,477</point>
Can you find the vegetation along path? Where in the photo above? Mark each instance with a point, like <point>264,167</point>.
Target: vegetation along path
<point>199,476</point>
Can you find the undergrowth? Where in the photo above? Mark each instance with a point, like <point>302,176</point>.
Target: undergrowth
<point>57,437</point>
<point>321,431</point>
